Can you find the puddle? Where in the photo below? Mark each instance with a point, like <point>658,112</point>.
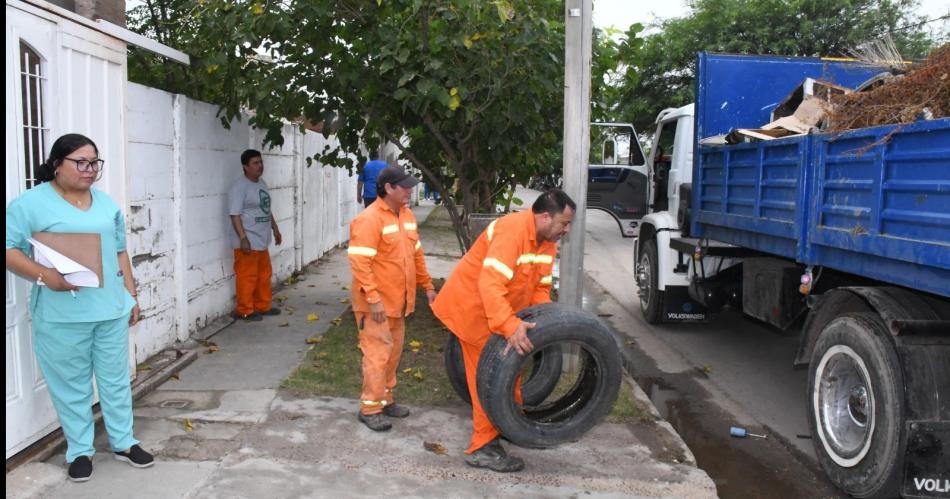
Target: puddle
<point>740,468</point>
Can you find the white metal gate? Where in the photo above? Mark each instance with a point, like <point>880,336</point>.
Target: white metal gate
<point>77,85</point>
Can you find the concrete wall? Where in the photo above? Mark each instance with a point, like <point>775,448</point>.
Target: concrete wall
<point>181,163</point>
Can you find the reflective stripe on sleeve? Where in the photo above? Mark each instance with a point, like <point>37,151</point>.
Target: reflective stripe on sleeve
<point>491,230</point>
<point>548,279</point>
<point>361,250</point>
<point>409,226</point>
<point>418,245</point>
<point>533,258</point>
<point>390,229</point>
<point>500,267</point>
<point>373,402</point>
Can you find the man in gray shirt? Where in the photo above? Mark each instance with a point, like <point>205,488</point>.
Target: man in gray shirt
<point>249,205</point>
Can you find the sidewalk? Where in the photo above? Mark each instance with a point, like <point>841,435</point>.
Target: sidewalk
<point>248,438</point>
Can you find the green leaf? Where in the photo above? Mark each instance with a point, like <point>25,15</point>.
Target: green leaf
<point>405,78</point>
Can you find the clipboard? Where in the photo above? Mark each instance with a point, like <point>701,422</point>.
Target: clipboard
<point>83,248</point>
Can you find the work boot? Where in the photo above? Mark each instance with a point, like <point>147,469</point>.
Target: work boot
<point>375,422</point>
<point>494,457</point>
<point>273,311</point>
<point>251,317</point>
<point>396,411</point>
<point>80,470</point>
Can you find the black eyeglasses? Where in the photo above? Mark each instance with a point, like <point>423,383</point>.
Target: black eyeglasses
<point>86,165</point>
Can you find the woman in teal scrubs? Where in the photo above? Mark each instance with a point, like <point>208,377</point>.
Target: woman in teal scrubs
<point>79,331</point>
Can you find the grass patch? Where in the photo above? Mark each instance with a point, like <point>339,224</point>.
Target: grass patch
<point>332,367</point>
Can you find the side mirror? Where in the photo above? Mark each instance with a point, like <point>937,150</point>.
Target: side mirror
<point>609,152</point>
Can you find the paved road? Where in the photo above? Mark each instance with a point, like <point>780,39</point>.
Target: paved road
<point>732,370</point>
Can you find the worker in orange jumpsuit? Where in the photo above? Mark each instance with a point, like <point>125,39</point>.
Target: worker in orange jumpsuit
<point>508,269</point>
<point>387,264</point>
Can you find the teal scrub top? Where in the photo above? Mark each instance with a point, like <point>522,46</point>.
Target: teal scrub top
<point>42,209</point>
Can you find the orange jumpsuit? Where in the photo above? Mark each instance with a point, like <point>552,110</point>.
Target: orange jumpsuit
<point>506,270</point>
<point>387,263</point>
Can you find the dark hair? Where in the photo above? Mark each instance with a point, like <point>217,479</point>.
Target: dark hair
<point>248,155</point>
<point>553,202</point>
<point>64,146</point>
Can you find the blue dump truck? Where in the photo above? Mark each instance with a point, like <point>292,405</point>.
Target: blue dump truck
<point>844,237</point>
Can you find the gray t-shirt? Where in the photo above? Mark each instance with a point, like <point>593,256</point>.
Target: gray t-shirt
<point>251,200</point>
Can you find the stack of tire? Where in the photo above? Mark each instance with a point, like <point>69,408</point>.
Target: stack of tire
<point>543,420</point>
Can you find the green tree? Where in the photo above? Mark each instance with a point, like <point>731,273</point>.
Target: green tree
<point>470,91</point>
<point>661,66</point>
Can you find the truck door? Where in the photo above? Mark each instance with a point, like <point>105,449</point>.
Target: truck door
<point>617,175</point>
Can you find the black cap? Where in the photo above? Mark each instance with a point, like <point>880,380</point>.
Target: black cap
<point>395,176</point>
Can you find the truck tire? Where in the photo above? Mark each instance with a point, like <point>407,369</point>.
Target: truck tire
<point>856,406</point>
<point>568,417</point>
<point>545,372</point>
<point>651,298</point>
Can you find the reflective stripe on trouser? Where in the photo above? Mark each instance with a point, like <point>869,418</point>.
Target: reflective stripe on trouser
<point>381,343</point>
<point>252,274</point>
<point>69,354</point>
<point>482,429</point>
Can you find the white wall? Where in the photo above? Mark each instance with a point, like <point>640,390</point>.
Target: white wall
<point>180,164</point>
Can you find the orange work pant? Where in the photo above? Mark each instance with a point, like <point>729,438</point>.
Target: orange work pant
<point>381,343</point>
<point>252,273</point>
<point>482,429</point>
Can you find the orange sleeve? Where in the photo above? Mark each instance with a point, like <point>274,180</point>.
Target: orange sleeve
<point>497,271</point>
<point>364,242</point>
<point>423,279</point>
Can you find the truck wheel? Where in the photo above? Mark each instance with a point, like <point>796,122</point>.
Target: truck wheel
<point>545,372</point>
<point>569,416</point>
<point>651,298</point>
<point>856,406</point>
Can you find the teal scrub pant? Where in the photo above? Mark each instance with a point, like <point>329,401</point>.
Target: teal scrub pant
<point>69,354</point>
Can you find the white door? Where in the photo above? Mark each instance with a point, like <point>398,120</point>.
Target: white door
<point>30,69</point>
<point>61,77</point>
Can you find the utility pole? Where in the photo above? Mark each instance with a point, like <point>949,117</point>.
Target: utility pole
<point>577,61</point>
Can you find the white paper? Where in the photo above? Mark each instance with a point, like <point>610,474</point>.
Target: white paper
<point>75,273</point>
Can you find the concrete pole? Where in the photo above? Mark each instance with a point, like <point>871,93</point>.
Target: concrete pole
<point>577,62</point>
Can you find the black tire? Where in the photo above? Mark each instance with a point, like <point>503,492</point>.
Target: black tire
<point>652,300</point>
<point>544,375</point>
<point>568,417</point>
<point>856,406</point>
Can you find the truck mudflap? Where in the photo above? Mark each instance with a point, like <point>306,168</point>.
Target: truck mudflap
<point>927,459</point>
<point>679,307</point>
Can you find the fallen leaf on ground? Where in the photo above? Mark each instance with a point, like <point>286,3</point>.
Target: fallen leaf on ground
<point>144,367</point>
<point>283,324</point>
<point>187,424</point>
<point>344,300</point>
<point>418,375</point>
<point>415,344</point>
<point>290,309</point>
<point>706,369</point>
<point>435,447</point>
<point>174,376</point>
<point>313,317</point>
<point>344,288</point>
<point>281,298</point>
<point>407,370</point>
<point>314,340</point>
<point>322,355</point>
<point>337,321</point>
<point>631,342</point>
<point>291,280</point>
<point>212,349</point>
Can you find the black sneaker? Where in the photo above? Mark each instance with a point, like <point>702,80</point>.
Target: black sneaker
<point>494,457</point>
<point>136,456</point>
<point>375,422</point>
<point>251,317</point>
<point>396,411</point>
<point>80,470</point>
<point>273,311</point>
